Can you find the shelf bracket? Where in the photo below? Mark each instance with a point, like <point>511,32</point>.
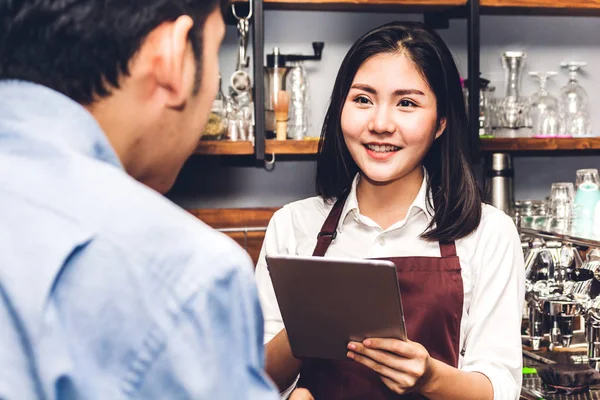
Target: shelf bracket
<point>258,43</point>
<point>473,47</point>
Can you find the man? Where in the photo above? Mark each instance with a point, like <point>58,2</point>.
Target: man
<point>107,290</point>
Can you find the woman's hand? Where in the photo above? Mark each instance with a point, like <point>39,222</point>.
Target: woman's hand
<point>404,367</point>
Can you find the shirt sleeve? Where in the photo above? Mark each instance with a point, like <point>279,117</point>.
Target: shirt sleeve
<point>215,349</point>
<point>493,336</point>
<point>273,244</point>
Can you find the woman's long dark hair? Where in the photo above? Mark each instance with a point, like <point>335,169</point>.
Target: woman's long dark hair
<point>456,196</point>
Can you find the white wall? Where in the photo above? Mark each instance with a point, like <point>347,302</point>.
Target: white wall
<point>547,40</point>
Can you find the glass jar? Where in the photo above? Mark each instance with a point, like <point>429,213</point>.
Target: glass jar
<point>217,120</point>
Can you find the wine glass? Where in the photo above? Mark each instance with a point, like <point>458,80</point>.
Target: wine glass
<point>544,108</point>
<point>573,102</point>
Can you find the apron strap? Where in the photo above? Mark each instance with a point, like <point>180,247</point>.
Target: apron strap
<point>329,229</point>
<point>448,249</point>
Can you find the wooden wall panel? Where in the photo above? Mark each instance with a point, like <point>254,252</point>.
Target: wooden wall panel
<point>239,218</point>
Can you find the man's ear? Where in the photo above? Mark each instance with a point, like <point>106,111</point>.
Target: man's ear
<point>173,65</point>
<point>441,128</point>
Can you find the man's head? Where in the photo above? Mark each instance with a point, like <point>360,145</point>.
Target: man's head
<point>146,69</point>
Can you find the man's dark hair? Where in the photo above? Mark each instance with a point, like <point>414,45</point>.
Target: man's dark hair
<point>82,47</point>
<point>456,196</point>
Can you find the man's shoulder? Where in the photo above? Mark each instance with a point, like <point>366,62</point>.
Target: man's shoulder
<point>152,223</point>
<point>164,245</point>
<point>140,222</point>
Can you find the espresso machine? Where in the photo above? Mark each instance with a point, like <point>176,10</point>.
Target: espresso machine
<point>559,288</point>
<point>592,333</point>
<point>586,291</point>
<point>276,71</point>
<point>551,278</point>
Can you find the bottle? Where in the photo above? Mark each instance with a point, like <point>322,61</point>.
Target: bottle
<point>297,85</point>
<point>500,181</point>
<point>217,120</point>
<point>586,198</point>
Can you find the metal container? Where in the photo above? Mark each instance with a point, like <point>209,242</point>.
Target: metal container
<point>500,182</point>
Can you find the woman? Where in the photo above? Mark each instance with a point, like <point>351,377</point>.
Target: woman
<point>394,182</point>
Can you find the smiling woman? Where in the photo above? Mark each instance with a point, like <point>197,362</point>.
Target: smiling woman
<point>394,183</point>
<point>389,120</point>
<point>406,82</point>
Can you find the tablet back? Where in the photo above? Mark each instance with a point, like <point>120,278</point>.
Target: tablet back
<point>325,302</point>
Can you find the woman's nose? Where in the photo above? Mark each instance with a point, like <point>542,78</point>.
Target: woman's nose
<point>381,122</point>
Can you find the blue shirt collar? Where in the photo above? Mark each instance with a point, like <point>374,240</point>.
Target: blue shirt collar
<point>42,114</point>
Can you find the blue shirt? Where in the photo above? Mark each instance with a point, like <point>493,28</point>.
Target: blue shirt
<point>107,289</point>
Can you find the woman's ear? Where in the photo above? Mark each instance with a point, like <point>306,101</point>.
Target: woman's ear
<point>441,128</point>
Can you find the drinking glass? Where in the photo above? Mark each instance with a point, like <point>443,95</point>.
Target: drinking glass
<point>562,196</point>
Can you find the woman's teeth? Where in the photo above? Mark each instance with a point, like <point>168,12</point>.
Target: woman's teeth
<point>381,149</point>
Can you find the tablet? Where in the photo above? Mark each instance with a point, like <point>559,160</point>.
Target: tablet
<point>327,302</point>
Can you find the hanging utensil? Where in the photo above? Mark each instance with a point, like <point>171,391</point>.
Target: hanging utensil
<point>240,79</point>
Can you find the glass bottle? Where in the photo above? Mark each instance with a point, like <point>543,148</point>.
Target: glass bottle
<point>217,120</point>
<point>513,107</point>
<point>297,86</point>
<point>586,198</point>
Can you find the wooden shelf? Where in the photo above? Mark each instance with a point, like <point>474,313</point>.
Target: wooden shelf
<point>364,5</point>
<point>533,144</point>
<point>310,146</point>
<point>541,7</point>
<point>224,147</point>
<point>514,7</point>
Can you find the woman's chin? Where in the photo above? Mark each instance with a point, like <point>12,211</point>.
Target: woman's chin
<point>378,177</point>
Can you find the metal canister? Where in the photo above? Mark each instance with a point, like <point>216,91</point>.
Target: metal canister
<point>500,182</point>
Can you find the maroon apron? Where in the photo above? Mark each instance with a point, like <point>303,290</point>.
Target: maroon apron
<point>432,300</point>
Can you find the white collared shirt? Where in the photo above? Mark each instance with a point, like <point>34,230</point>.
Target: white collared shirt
<point>492,269</point>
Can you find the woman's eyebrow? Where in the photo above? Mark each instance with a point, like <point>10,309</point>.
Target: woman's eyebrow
<point>404,92</point>
<point>365,88</point>
<point>398,92</point>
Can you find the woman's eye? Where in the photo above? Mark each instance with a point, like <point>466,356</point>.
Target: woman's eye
<point>406,103</point>
<point>362,100</point>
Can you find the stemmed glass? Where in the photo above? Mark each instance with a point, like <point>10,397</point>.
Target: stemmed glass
<point>573,103</point>
<point>544,109</point>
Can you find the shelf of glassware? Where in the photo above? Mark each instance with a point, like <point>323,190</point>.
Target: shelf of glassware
<point>364,5</point>
<point>587,241</point>
<point>537,144</point>
<point>225,147</point>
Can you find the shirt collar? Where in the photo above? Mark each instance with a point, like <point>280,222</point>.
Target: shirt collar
<point>419,204</point>
<point>38,113</point>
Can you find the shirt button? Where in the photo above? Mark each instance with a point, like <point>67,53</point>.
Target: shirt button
<point>381,241</point>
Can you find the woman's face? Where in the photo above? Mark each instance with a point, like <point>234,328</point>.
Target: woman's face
<point>389,118</point>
